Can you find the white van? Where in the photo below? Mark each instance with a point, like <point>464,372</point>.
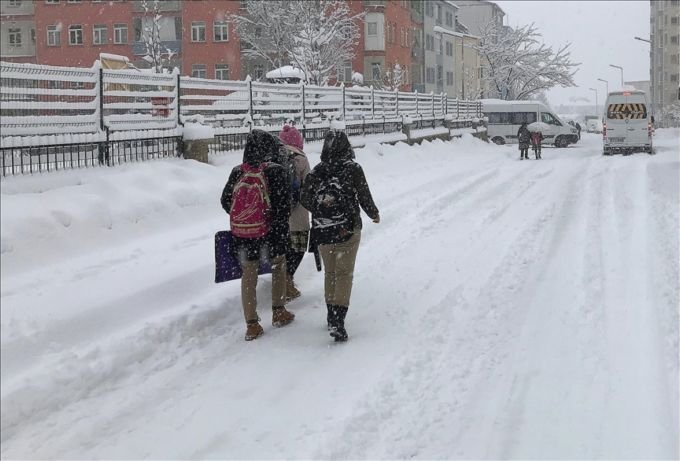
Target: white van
<point>505,118</point>
<point>627,124</point>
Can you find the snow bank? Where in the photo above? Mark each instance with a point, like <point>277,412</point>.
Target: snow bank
<point>198,131</point>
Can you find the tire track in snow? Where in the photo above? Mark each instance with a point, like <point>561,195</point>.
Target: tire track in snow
<point>368,432</point>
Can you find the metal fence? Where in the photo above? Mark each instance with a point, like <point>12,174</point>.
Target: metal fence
<point>54,118</point>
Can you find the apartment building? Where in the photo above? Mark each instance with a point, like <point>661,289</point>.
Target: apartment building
<point>664,55</point>
<point>387,38</point>
<point>474,15</point>
<point>194,35</point>
<point>17,31</point>
<point>439,27</point>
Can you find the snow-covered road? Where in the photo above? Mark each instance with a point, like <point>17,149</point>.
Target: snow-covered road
<point>501,309</point>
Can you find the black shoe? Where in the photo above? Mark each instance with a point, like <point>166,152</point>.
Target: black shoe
<point>338,325</point>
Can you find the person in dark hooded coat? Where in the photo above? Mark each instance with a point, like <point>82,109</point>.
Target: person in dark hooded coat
<point>338,244</point>
<point>524,138</point>
<point>260,146</point>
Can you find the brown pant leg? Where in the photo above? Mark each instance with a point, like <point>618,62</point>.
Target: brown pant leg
<point>279,281</point>
<point>249,289</point>
<point>339,260</point>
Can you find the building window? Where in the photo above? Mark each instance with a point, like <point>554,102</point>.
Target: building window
<point>199,71</point>
<point>674,20</point>
<point>372,28</point>
<point>429,42</point>
<point>15,37</point>
<point>440,74</point>
<point>120,34</point>
<point>429,75</point>
<point>346,72</point>
<point>53,35</point>
<point>439,14</point>
<point>15,3</point>
<point>220,31</point>
<point>674,39</point>
<point>198,31</point>
<point>674,59</point>
<point>449,78</point>
<point>99,34</point>
<point>75,1</point>
<point>75,35</point>
<point>52,2</point>
<point>222,71</point>
<point>449,19</point>
<point>674,77</point>
<point>375,71</point>
<point>449,49</point>
<point>429,10</point>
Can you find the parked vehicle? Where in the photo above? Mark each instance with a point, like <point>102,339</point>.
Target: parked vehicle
<point>505,118</point>
<point>628,126</point>
<point>593,125</point>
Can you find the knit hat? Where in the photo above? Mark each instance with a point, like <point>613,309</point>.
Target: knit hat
<point>290,136</point>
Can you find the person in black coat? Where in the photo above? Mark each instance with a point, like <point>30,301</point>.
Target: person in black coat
<point>260,146</point>
<point>524,138</point>
<point>339,251</point>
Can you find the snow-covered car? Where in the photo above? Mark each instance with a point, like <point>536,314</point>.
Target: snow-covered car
<point>594,125</point>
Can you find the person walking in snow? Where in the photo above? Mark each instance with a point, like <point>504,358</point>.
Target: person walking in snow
<point>578,130</point>
<point>523,137</point>
<point>335,191</point>
<point>257,199</point>
<point>299,216</point>
<point>536,139</point>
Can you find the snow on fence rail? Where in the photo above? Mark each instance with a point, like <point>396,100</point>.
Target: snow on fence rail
<point>45,108</point>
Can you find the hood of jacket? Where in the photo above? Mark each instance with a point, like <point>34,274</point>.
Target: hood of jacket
<point>336,148</point>
<point>261,146</point>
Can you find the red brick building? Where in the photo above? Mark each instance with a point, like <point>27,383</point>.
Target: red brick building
<point>210,48</point>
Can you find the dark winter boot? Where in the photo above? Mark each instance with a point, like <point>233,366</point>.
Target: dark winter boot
<point>253,330</point>
<point>338,328</point>
<point>330,316</point>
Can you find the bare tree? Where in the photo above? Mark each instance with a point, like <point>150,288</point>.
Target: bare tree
<point>519,66</point>
<point>155,55</point>
<point>264,30</point>
<point>325,34</point>
<point>394,78</point>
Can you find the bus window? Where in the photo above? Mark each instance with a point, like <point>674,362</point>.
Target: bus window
<point>549,119</point>
<point>523,117</point>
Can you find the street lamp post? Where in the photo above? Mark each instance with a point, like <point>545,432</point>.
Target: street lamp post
<point>596,104</point>
<point>651,71</point>
<point>621,69</point>
<point>606,83</point>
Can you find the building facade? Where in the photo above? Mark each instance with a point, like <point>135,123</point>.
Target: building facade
<point>439,27</point>
<point>664,56</point>
<point>17,31</point>
<point>476,14</point>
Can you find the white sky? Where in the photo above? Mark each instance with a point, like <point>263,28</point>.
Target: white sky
<point>601,33</point>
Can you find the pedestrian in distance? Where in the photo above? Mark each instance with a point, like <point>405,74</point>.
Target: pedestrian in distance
<point>299,216</point>
<point>536,139</point>
<point>578,130</point>
<point>335,192</point>
<point>257,199</point>
<point>523,137</point>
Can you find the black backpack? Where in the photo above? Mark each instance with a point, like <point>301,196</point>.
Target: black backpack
<point>333,214</point>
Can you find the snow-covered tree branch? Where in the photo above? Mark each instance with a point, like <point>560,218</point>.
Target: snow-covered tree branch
<point>155,55</point>
<point>264,31</point>
<point>519,66</point>
<point>325,34</point>
<point>394,78</point>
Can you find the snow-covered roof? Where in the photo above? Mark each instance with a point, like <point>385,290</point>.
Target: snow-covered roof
<point>452,4</point>
<point>443,30</point>
<point>286,72</point>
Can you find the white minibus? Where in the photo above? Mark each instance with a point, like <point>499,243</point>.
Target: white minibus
<point>505,118</point>
<point>627,124</point>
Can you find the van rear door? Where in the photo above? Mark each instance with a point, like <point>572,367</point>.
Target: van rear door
<point>627,120</point>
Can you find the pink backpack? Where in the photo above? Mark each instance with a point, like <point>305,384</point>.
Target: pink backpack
<point>249,215</point>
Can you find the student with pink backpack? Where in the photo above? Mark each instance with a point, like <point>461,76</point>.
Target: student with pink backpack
<point>257,199</point>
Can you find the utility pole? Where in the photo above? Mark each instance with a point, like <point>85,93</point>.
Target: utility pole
<point>596,104</point>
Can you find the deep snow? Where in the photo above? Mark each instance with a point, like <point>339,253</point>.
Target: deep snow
<point>501,309</point>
